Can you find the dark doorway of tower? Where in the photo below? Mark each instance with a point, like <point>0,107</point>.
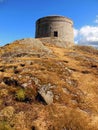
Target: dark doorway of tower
<point>55,34</point>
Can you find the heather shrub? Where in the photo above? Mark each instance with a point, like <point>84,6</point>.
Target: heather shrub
<point>20,95</point>
<point>5,126</point>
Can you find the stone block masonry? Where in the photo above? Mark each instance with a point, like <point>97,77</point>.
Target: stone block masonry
<point>55,27</point>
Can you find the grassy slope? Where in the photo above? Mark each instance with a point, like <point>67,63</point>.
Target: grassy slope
<point>72,74</point>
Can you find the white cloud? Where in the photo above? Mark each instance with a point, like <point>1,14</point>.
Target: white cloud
<point>96,20</point>
<point>87,35</point>
<point>75,32</point>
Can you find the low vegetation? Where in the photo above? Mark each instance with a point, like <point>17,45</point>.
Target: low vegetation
<point>45,87</point>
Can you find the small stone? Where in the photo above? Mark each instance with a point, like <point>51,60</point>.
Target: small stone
<point>46,94</point>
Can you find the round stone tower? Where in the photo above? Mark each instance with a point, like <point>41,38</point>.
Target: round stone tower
<point>55,26</point>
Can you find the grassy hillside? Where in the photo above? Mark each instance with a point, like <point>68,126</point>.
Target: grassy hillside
<point>46,87</point>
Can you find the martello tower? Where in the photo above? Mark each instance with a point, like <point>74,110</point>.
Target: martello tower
<point>55,26</point>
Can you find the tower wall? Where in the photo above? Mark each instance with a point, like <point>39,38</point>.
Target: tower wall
<point>55,26</point>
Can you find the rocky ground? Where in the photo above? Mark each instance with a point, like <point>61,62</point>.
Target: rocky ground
<point>47,87</point>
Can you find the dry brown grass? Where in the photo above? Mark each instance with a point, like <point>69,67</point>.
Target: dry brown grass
<point>71,74</point>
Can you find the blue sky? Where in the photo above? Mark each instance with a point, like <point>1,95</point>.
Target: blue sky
<point>17,18</point>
